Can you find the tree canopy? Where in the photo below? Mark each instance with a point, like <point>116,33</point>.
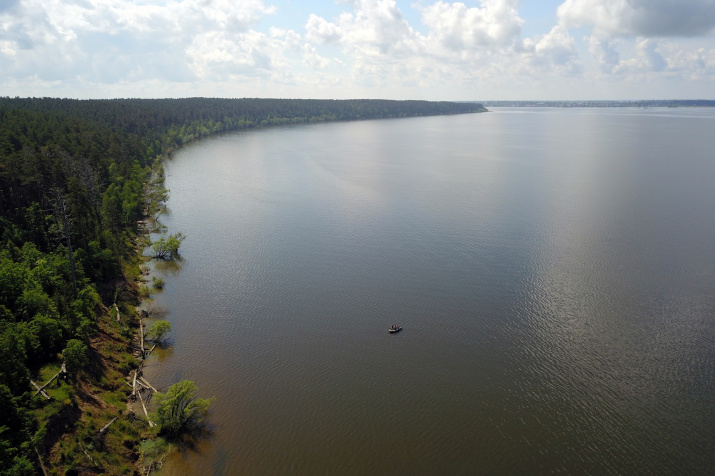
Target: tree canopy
<point>167,247</point>
<point>157,332</point>
<point>179,409</point>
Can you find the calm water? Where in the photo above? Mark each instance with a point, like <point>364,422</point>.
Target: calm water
<point>553,269</point>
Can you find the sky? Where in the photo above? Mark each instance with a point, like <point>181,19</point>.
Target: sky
<point>391,49</point>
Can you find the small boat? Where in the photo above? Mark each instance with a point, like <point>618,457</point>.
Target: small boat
<point>394,329</point>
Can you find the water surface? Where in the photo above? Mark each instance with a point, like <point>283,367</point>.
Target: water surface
<point>553,269</point>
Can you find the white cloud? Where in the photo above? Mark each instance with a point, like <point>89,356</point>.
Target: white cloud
<point>115,40</point>
<point>319,30</point>
<point>605,53</point>
<point>377,43</point>
<point>313,59</point>
<point>559,49</point>
<point>456,49</point>
<point>647,59</point>
<point>651,59</point>
<point>456,26</point>
<point>648,18</point>
<point>384,48</point>
<point>695,65</point>
<point>638,40</point>
<point>461,45</point>
<point>376,28</point>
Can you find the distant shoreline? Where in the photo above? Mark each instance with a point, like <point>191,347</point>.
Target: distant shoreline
<point>639,104</point>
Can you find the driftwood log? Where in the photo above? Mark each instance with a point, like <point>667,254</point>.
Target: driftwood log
<point>148,384</point>
<point>134,385</point>
<point>151,423</point>
<point>141,335</point>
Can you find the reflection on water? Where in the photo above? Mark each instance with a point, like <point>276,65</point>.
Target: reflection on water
<point>167,267</point>
<point>553,271</point>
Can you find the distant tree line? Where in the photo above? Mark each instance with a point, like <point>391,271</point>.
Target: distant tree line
<point>73,177</point>
<point>606,103</point>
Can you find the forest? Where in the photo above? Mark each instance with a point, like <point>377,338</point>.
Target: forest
<point>74,178</point>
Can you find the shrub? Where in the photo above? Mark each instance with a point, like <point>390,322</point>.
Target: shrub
<point>158,331</point>
<point>180,410</point>
<point>75,355</point>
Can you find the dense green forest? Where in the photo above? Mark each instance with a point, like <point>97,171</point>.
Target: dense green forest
<point>73,185</point>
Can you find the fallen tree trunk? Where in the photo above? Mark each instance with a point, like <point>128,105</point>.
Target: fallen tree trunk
<point>39,390</point>
<point>63,370</point>
<point>151,423</point>
<point>141,335</point>
<point>147,382</point>
<point>134,385</point>
<point>88,455</point>
<point>42,465</point>
<point>104,428</point>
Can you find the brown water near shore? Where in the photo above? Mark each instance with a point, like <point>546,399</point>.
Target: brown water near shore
<point>553,271</point>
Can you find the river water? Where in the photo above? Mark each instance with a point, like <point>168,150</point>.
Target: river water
<point>553,270</point>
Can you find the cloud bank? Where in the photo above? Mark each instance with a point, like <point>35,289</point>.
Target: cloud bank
<point>370,48</point>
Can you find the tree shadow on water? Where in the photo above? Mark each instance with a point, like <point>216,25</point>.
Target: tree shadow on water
<point>193,442</point>
<point>168,266</point>
<point>164,350</point>
<point>157,312</point>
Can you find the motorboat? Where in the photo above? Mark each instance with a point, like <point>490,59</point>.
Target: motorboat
<point>395,329</point>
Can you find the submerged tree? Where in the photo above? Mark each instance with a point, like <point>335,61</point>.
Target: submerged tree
<point>158,331</point>
<point>179,409</point>
<point>167,247</point>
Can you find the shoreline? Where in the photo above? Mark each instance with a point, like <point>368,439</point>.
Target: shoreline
<point>85,423</point>
<point>136,282</point>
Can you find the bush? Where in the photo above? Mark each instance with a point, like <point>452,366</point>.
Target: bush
<point>168,247</point>
<point>75,355</point>
<point>158,283</point>
<point>158,331</point>
<point>179,410</point>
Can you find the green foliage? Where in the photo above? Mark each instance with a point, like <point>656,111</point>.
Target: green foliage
<point>82,313</point>
<point>13,360</point>
<point>158,283</point>
<point>13,436</point>
<point>75,355</point>
<point>12,281</point>
<point>34,301</point>
<point>153,450</point>
<point>167,248</point>
<point>19,466</point>
<point>101,263</point>
<point>157,332</point>
<point>180,410</point>
<point>157,195</point>
<point>49,335</point>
